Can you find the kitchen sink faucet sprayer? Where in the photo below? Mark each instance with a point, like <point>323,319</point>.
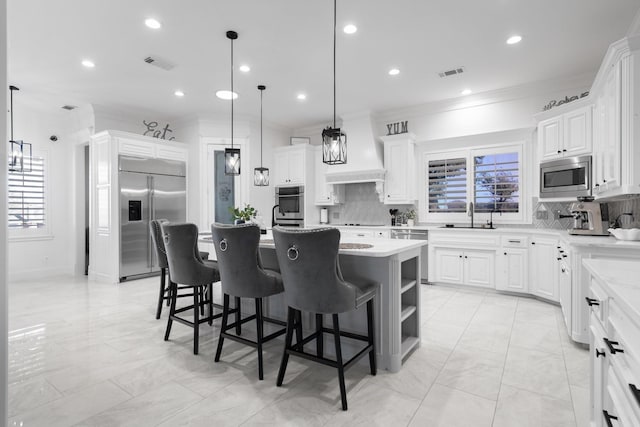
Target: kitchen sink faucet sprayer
<point>470,213</point>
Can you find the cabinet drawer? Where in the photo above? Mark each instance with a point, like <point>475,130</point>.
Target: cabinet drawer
<point>464,240</point>
<point>515,241</point>
<point>618,407</point>
<point>623,335</point>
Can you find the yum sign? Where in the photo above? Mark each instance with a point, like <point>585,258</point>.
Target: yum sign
<point>397,128</point>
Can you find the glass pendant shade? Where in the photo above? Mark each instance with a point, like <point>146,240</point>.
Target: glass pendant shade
<point>232,161</point>
<point>261,177</point>
<point>334,146</point>
<point>17,158</point>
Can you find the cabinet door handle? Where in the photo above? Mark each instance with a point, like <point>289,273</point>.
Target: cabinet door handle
<point>533,243</point>
<point>505,253</point>
<point>564,150</point>
<point>600,353</point>
<point>564,271</point>
<point>611,344</point>
<point>465,257</point>
<point>592,301</point>
<point>608,417</point>
<point>635,392</point>
<point>564,255</point>
<point>558,258</point>
<point>604,180</point>
<point>559,151</point>
<point>597,185</point>
<point>514,241</point>
<point>459,256</point>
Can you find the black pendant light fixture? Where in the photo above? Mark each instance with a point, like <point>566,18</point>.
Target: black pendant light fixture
<point>18,148</point>
<point>261,174</point>
<point>334,141</point>
<point>232,155</point>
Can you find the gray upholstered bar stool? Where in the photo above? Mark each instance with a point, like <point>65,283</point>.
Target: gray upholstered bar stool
<point>242,276</point>
<point>161,256</point>
<point>187,268</point>
<point>313,282</point>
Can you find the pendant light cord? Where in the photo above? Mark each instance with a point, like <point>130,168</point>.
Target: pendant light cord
<point>232,93</point>
<point>334,62</point>
<point>261,91</point>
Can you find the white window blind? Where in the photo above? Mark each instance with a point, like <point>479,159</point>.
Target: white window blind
<point>447,185</point>
<point>497,180</point>
<point>26,196</point>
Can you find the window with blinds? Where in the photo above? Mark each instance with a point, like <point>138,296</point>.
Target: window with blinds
<point>497,179</point>
<point>26,196</point>
<point>447,185</point>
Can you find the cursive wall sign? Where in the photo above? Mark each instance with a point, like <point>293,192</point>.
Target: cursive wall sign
<point>398,127</point>
<point>566,99</point>
<point>152,130</point>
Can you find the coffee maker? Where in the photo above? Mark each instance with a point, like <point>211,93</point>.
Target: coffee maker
<point>589,218</point>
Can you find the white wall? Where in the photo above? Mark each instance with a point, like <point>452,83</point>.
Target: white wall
<point>4,306</point>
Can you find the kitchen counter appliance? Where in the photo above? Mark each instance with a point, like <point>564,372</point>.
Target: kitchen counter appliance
<point>149,189</point>
<point>290,202</point>
<point>411,234</point>
<point>589,218</point>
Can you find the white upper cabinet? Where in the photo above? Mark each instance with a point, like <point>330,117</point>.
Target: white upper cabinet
<point>325,194</point>
<point>400,164</point>
<point>569,134</point>
<point>290,163</point>
<point>616,125</point>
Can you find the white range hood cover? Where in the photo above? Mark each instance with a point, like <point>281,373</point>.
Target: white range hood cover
<point>364,153</point>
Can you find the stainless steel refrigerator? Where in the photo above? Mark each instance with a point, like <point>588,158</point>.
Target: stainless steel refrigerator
<point>149,189</point>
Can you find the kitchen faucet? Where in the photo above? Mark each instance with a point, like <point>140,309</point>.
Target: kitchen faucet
<point>470,213</point>
<point>491,216</point>
<point>616,222</point>
<point>273,215</point>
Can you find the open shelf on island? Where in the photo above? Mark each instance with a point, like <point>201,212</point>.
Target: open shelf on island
<point>407,284</point>
<point>407,310</point>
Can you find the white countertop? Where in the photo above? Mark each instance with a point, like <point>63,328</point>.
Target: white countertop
<point>622,279</point>
<point>380,247</point>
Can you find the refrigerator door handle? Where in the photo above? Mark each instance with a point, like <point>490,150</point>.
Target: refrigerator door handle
<point>151,216</point>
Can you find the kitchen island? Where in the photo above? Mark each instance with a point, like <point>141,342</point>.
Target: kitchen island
<point>395,264</point>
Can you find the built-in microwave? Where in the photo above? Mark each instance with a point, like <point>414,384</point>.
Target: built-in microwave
<point>567,177</point>
<point>290,205</point>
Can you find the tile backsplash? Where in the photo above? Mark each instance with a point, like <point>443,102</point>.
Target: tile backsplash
<point>544,213</point>
<point>362,206</point>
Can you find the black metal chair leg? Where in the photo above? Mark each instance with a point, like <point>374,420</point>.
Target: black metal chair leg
<point>372,337</point>
<point>287,346</point>
<point>299,344</point>
<point>320,337</point>
<point>223,328</point>
<point>162,292</point>
<point>210,302</point>
<point>172,310</point>
<point>238,318</point>
<point>259,326</point>
<point>336,334</point>
<point>201,293</point>
<point>196,318</point>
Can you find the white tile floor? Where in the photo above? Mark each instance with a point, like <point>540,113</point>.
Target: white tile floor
<point>90,354</point>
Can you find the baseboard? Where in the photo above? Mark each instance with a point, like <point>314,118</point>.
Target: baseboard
<point>34,274</point>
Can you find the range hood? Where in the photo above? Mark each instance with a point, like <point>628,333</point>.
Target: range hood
<point>364,154</point>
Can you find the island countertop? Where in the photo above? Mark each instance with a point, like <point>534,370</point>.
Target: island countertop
<point>379,247</point>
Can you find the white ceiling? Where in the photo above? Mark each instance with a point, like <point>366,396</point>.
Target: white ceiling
<point>288,44</point>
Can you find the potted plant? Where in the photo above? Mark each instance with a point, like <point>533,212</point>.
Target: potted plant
<point>240,216</point>
<point>411,217</point>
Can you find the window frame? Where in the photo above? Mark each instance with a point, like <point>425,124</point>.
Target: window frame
<point>522,216</point>
<point>42,233</point>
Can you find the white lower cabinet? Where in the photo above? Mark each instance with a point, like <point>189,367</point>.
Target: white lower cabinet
<point>542,262</point>
<point>467,267</point>
<point>512,270</point>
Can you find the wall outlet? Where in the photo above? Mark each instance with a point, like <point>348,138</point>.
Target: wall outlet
<point>542,215</point>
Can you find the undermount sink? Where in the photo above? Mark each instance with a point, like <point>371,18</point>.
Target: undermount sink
<point>478,227</point>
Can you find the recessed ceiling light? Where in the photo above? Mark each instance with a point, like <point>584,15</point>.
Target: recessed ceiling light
<point>152,23</point>
<point>466,92</point>
<point>350,29</point>
<point>245,68</point>
<point>226,94</point>
<point>514,39</point>
<point>302,96</point>
<point>88,63</point>
<point>179,93</point>
<point>394,72</point>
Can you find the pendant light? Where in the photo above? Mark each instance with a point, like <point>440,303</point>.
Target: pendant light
<point>334,142</point>
<point>232,155</point>
<point>18,148</point>
<point>261,174</point>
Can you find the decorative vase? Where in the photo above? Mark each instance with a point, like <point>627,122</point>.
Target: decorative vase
<point>410,223</point>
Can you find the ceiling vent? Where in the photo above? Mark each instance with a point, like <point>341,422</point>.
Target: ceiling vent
<point>159,62</point>
<point>68,107</point>
<point>452,72</point>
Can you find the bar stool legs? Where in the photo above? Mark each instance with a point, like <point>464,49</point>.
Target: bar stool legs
<point>259,325</point>
<point>294,324</point>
